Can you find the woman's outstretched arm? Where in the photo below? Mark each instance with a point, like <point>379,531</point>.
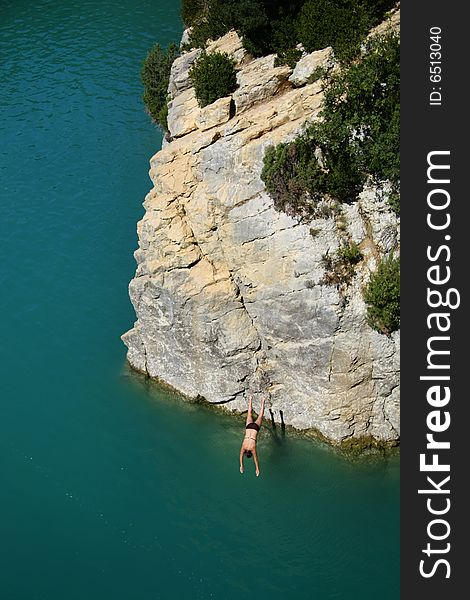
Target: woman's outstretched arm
<point>255,458</point>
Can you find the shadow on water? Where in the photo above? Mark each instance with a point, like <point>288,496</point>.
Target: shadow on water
<point>277,436</point>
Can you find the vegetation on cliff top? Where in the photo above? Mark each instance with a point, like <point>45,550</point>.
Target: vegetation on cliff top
<point>266,26</point>
<point>277,26</point>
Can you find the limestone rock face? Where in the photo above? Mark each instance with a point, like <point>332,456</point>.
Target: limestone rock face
<point>229,293</point>
<point>179,77</point>
<point>229,44</point>
<point>215,114</point>
<point>259,80</point>
<point>182,113</point>
<point>308,64</point>
<point>185,37</point>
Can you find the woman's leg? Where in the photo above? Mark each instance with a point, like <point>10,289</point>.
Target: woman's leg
<point>249,416</point>
<point>261,413</point>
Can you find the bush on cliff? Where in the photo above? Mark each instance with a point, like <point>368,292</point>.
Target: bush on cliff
<point>340,268</point>
<point>324,23</point>
<point>292,177</point>
<point>358,137</point>
<point>341,24</point>
<point>193,10</point>
<point>213,76</point>
<point>155,76</point>
<point>382,296</point>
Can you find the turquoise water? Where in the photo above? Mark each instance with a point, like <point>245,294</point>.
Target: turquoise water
<point>112,488</point>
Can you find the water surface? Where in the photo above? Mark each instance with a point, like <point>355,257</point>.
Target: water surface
<point>112,488</point>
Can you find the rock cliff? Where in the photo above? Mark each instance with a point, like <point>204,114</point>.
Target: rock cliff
<point>229,293</point>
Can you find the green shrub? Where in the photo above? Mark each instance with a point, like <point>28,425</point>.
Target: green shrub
<point>358,137</point>
<point>288,57</point>
<point>377,9</point>
<point>341,24</point>
<point>283,33</point>
<point>288,172</point>
<point>382,296</point>
<point>213,76</point>
<point>323,23</point>
<point>155,76</point>
<point>193,10</point>
<point>351,253</point>
<point>361,126</point>
<point>340,267</point>
<point>394,201</point>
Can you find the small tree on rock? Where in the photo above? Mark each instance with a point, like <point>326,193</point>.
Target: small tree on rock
<point>382,296</point>
<point>155,76</point>
<point>213,76</point>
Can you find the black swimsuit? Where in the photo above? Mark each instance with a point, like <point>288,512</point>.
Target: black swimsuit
<point>254,426</point>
